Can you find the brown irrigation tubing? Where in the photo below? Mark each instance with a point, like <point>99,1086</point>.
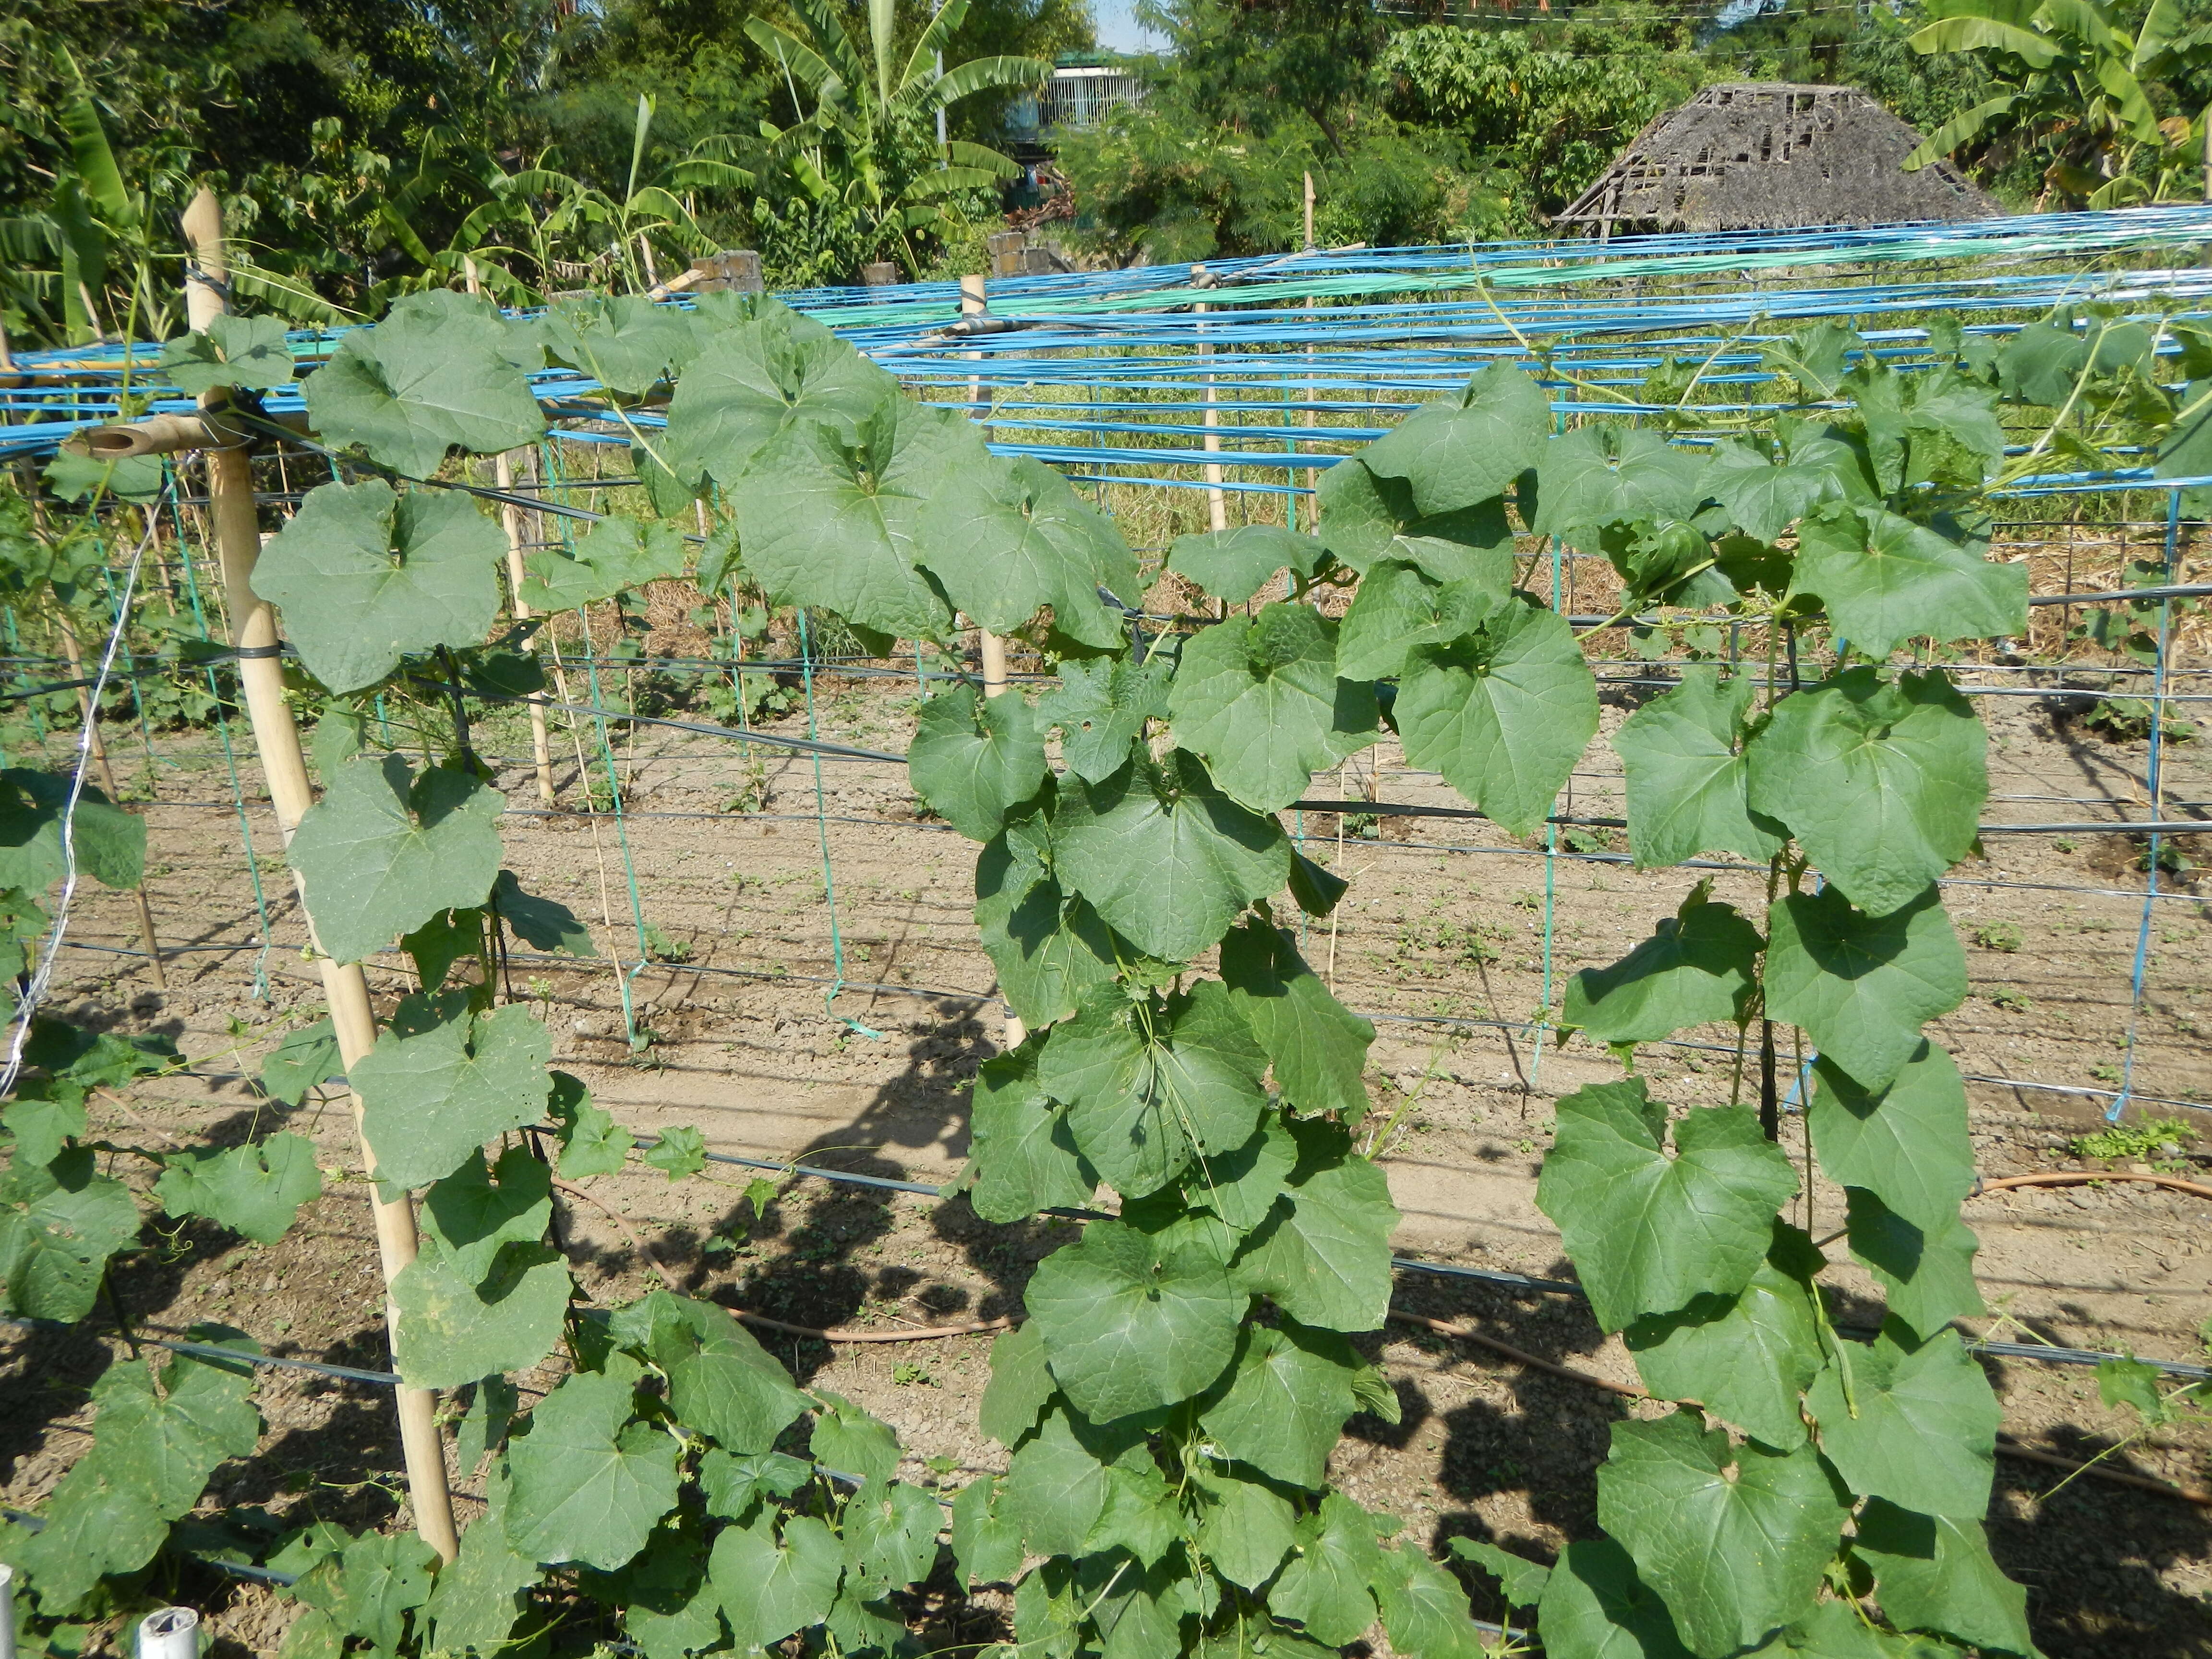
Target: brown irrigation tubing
<point>2090,1177</point>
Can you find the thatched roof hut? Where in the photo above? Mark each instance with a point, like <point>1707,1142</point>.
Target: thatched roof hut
<point>1768,156</point>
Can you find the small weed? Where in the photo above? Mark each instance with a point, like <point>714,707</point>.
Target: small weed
<point>2105,1071</point>
<point>751,795</point>
<point>1999,936</point>
<point>2018,1002</point>
<point>2165,1136</point>
<point>661,948</point>
<point>909,1373</point>
<point>1527,900</point>
<point>2065,843</point>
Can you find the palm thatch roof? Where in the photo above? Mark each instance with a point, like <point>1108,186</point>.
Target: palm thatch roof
<point>1769,155</point>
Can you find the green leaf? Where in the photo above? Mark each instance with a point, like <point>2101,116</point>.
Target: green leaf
<point>624,342</point>
<point>1764,500</point>
<point>449,937</point>
<point>619,556</point>
<point>1261,700</point>
<point>428,378</point>
<point>723,1383</point>
<point>1933,1572</point>
<point>96,1524</point>
<point>1837,1630</point>
<point>986,1546</point>
<point>1287,1400</point>
<point>1735,1538</point>
<point>59,1222</point>
<point>1399,607</point>
<point>1245,1529</point>
<point>1140,1515</point>
<point>1020,1388</point>
<point>1240,1187</point>
<point>1048,945</point>
<point>1883,580</point>
<point>731,1485</point>
<point>751,382</point>
<point>1862,985</point>
<point>1234,564</point>
<point>1165,858</point>
<point>2041,363</point>
<point>1881,782</point>
<point>1127,1328</point>
<point>383,851</point>
<point>1053,1489</point>
<point>1745,1357</point>
<point>589,1480</point>
<point>1595,1607</point>
<point>670,1607</point>
<point>456,1326</point>
<point>1323,1254</point>
<point>256,1190</point>
<point>1916,1424</point>
<point>771,1588</point>
<point>1683,757</point>
<point>1907,1143</point>
<point>1460,451</point>
<point>1521,1580</point>
<point>1146,1083</point>
<point>1025,1157</point>
<point>1006,539</point>
<point>246,352</point>
<point>848,1438</point>
<point>1101,708</point>
<point>471,1217</point>
<point>974,759</point>
<point>1504,711</point>
<point>592,1142</point>
<point>1602,475</point>
<point>1698,966</point>
<point>75,477</point>
<point>1928,1276</point>
<point>44,1117</point>
<point>442,1081</point>
<point>110,842</point>
<point>891,1536</point>
<point>96,1060</point>
<point>1647,1233</point>
<point>478,1597</point>
<point>1366,518</point>
<point>839,525</point>
<point>1325,1587</point>
<point>542,924</point>
<point>1317,1047</point>
<point>385,1576</point>
<point>167,1444</point>
<point>1424,1608</point>
<point>679,1150</point>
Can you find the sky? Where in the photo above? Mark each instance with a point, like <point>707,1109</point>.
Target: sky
<point>1119,30</point>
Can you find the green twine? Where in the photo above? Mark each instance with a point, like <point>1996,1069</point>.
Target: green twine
<point>822,823</point>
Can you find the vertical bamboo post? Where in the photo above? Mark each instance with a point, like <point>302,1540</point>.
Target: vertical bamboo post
<point>284,768</point>
<point>1217,502</point>
<point>1313,504</point>
<point>74,652</point>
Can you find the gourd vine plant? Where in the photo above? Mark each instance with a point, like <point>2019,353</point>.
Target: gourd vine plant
<point>1187,1366</point>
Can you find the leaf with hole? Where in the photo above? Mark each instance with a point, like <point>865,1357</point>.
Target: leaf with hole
<point>1100,707</point>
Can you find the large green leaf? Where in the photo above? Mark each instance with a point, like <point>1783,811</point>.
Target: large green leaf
<point>1127,1328</point>
<point>1933,1572</point>
<point>1595,1607</point>
<point>1602,474</point>
<point>1862,985</point>
<point>1734,1537</point>
<point>1504,711</point>
<point>1907,1143</point>
<point>1323,1254</point>
<point>1007,537</point>
<point>1881,781</point>
<point>1287,1400</point>
<point>430,377</point>
<point>478,1211</point>
<point>1686,774</point>
<point>620,555</point>
<point>1698,966</point>
<point>721,1383</point>
<point>837,527</point>
<point>1048,945</point>
<point>1163,855</point>
<point>1025,1157</point>
<point>1745,1357</point>
<point>1020,1388</point>
<point>1234,564</point>
<point>752,382</point>
<point>1764,500</point>
<point>974,759</point>
<point>59,1222</point>
<point>1317,1047</point>
<point>1885,580</point>
<point>1238,1188</point>
<point>1366,519</point>
<point>1055,1489</point>
<point>110,842</point>
<point>1459,451</point>
<point>771,1588</point>
<point>1915,1423</point>
<point>891,1536</point>
<point>590,1481</point>
<point>986,1544</point>
<point>1244,1528</point>
<point>477,1598</point>
<point>247,352</point>
<point>383,851</point>
<point>307,1056</point>
<point>1928,1275</point>
<point>455,1326</point>
<point>442,1081</point>
<point>1399,607</point>
<point>1146,1085</point>
<point>1101,708</point>
<point>1424,1608</point>
<point>624,342</point>
<point>254,1189</point>
<point>1325,1587</point>
<point>1647,1232</point>
<point>1261,700</point>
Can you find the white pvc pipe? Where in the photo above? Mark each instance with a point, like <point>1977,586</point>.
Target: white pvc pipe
<point>7,1612</point>
<point>171,1633</point>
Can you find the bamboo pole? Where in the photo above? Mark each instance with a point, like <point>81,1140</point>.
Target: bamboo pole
<point>1217,501</point>
<point>74,652</point>
<point>284,768</point>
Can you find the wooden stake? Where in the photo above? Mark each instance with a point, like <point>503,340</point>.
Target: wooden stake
<point>284,768</point>
<point>74,652</point>
<point>1217,502</point>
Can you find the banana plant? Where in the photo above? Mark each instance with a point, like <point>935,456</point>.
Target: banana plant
<point>2084,83</point>
<point>860,148</point>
